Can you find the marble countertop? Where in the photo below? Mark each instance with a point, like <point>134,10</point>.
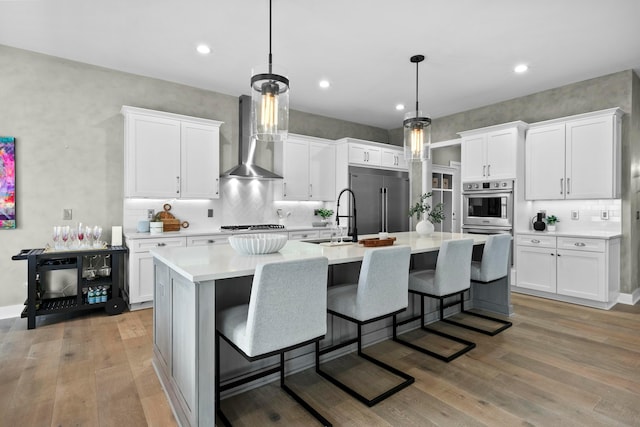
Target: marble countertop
<point>185,232</point>
<point>204,263</point>
<point>595,234</point>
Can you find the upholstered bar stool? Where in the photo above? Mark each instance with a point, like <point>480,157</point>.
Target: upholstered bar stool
<point>493,266</point>
<point>381,292</point>
<point>286,310</point>
<point>450,278</point>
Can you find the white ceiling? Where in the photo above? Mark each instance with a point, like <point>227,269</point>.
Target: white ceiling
<point>362,46</point>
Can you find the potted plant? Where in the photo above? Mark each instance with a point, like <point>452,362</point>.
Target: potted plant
<point>324,214</point>
<point>551,222</point>
<point>432,215</point>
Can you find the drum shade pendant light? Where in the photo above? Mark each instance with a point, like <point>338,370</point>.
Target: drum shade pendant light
<point>417,129</point>
<point>269,101</point>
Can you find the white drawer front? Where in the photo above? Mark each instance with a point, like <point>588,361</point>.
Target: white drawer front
<point>217,239</point>
<point>144,245</point>
<point>575,243</point>
<point>304,235</point>
<point>326,234</point>
<point>536,241</point>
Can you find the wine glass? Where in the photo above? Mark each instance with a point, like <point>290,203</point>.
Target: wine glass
<point>80,235</point>
<point>88,234</point>
<point>65,235</point>
<point>57,230</point>
<point>97,232</point>
<point>73,237</point>
<point>343,232</point>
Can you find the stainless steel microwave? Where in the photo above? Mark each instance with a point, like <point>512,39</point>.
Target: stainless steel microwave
<point>488,204</point>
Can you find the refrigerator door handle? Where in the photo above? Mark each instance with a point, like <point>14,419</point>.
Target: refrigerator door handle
<point>382,210</point>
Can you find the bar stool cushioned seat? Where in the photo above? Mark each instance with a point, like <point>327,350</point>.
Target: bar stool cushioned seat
<point>381,292</point>
<point>286,310</point>
<point>493,266</point>
<point>450,277</point>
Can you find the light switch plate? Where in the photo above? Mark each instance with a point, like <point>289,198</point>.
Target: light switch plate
<point>604,215</point>
<point>67,214</point>
<point>210,213</point>
<point>575,214</point>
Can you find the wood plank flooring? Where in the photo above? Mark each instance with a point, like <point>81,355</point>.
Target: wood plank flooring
<point>560,364</point>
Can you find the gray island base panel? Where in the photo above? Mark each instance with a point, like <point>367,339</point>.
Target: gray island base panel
<point>190,281</point>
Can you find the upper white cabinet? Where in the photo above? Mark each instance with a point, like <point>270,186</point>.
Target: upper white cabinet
<point>491,152</point>
<point>309,169</point>
<point>575,157</point>
<point>393,158</point>
<point>366,155</point>
<point>372,154</point>
<point>170,155</point>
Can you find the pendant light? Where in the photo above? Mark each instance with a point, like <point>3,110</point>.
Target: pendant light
<point>269,102</point>
<point>417,129</point>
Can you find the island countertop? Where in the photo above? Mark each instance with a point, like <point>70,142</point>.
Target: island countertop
<point>204,263</point>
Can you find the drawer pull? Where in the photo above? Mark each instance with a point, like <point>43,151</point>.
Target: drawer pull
<point>580,244</point>
<point>535,241</point>
<point>211,241</point>
<point>162,244</point>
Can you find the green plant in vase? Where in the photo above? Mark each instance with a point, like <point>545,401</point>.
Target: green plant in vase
<point>551,221</point>
<point>432,214</point>
<point>325,214</point>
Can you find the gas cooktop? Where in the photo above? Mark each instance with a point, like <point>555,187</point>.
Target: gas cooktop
<point>253,227</point>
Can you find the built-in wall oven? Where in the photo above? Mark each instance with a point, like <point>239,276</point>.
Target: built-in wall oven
<point>488,208</point>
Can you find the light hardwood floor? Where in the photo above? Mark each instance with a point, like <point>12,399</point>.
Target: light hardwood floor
<point>560,364</point>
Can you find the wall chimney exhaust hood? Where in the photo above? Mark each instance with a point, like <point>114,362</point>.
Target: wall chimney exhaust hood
<point>247,147</point>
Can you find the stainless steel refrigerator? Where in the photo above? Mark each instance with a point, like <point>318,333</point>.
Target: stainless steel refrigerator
<point>382,199</point>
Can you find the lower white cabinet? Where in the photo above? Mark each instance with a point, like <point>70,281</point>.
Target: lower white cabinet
<point>139,284</point>
<point>312,234</point>
<point>577,268</point>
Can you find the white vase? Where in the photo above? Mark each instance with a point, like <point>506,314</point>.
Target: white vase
<point>551,227</point>
<point>424,228</point>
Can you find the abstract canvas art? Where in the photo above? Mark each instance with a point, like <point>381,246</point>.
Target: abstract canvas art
<point>7,182</point>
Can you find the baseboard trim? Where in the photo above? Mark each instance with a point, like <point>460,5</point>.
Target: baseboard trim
<point>629,299</point>
<point>9,311</point>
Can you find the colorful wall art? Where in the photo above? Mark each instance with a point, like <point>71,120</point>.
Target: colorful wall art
<point>7,182</point>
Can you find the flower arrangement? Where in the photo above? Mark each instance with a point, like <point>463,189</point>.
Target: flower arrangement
<point>422,207</point>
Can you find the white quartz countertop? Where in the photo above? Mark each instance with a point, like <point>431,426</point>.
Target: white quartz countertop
<point>185,232</point>
<point>204,263</point>
<point>595,234</point>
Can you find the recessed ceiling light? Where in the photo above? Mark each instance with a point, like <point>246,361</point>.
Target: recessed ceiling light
<point>400,107</point>
<point>324,84</point>
<point>521,68</point>
<point>203,49</point>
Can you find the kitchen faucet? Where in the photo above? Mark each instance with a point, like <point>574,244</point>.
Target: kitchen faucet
<point>338,216</point>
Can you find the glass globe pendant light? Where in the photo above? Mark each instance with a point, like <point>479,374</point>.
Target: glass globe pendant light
<point>269,102</point>
<point>417,129</point>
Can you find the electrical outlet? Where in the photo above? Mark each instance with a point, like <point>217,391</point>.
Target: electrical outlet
<point>67,214</point>
<point>604,215</point>
<point>637,214</point>
<point>150,213</point>
<point>575,214</point>
<point>210,213</point>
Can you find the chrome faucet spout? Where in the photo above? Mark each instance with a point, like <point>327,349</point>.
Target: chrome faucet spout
<point>354,216</point>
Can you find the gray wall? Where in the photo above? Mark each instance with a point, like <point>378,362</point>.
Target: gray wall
<point>614,90</point>
<point>66,119</point>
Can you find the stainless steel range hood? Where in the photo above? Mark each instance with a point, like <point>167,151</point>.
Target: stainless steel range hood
<point>247,147</point>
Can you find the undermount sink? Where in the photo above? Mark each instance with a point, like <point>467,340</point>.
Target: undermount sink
<point>319,241</point>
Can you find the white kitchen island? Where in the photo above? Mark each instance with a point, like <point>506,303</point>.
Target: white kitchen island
<point>190,281</point>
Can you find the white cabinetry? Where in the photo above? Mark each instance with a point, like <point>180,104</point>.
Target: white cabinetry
<point>309,169</point>
<point>170,156</point>
<point>210,239</point>
<point>575,157</point>
<point>139,284</point>
<point>491,152</point>
<point>361,154</point>
<point>573,269</point>
<point>393,159</point>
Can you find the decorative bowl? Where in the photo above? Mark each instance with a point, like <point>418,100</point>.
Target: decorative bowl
<point>258,244</point>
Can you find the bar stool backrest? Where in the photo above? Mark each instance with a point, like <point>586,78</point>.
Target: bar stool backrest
<point>495,258</point>
<point>453,267</point>
<point>384,282</point>
<point>288,304</point>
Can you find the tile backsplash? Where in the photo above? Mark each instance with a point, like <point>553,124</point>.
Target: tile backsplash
<point>589,214</point>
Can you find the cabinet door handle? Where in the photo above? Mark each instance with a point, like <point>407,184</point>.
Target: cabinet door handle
<point>580,244</point>
<point>488,170</point>
<point>310,190</point>
<point>217,186</point>
<point>561,184</point>
<point>364,156</point>
<point>484,168</point>
<point>552,254</point>
<point>284,189</point>
<point>568,185</point>
<point>177,185</point>
<point>162,244</point>
<point>535,241</point>
<point>558,255</point>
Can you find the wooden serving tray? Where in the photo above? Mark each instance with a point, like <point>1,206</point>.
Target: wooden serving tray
<point>377,242</point>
